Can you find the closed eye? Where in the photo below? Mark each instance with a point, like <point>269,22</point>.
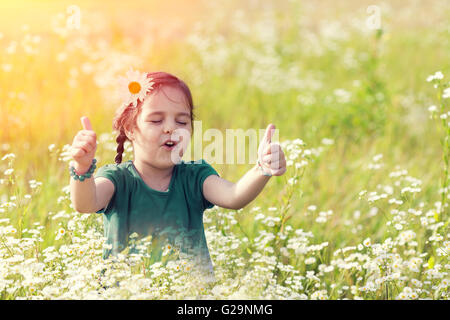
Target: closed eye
<point>158,121</point>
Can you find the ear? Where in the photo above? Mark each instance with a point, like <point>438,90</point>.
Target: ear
<point>129,134</point>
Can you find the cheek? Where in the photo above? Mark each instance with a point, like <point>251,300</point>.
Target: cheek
<point>151,132</point>
<point>151,138</point>
<point>154,141</point>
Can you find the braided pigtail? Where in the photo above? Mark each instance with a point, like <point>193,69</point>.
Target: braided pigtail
<point>121,138</point>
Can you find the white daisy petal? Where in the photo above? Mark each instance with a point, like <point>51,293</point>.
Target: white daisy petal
<point>134,87</point>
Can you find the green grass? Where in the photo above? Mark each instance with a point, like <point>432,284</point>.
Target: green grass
<point>385,114</point>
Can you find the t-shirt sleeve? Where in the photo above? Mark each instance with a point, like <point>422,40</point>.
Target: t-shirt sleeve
<point>111,172</point>
<point>202,171</point>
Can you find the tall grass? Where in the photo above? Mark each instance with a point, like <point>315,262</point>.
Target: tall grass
<point>362,211</point>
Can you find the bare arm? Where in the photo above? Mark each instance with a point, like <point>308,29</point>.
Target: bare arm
<point>226,194</point>
<point>92,194</point>
<point>83,193</point>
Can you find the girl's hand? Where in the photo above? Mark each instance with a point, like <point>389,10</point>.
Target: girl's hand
<point>84,146</point>
<point>270,155</point>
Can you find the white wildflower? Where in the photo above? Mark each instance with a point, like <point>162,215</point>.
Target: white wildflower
<point>446,93</point>
<point>9,156</point>
<point>437,76</point>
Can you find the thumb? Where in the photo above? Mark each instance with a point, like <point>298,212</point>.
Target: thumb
<point>86,123</point>
<point>269,133</point>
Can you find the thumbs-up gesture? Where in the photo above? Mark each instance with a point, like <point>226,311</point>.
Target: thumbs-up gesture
<point>270,155</point>
<point>84,146</point>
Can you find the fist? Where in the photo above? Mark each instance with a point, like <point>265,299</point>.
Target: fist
<point>270,154</point>
<point>84,145</point>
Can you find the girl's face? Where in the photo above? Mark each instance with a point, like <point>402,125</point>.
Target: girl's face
<point>162,119</point>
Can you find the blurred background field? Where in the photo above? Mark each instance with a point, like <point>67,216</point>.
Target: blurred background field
<point>357,97</point>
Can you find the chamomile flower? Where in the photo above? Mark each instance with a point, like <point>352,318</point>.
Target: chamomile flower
<point>60,233</point>
<point>432,108</point>
<point>413,295</point>
<point>437,76</point>
<point>134,86</point>
<point>446,93</point>
<point>9,156</point>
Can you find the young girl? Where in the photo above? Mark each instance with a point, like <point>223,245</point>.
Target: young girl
<point>152,195</point>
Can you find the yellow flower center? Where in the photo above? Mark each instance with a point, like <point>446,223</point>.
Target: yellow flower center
<point>134,87</point>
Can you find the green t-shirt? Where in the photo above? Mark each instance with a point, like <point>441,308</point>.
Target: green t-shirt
<point>175,215</point>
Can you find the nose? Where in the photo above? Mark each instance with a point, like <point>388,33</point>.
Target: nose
<point>169,126</point>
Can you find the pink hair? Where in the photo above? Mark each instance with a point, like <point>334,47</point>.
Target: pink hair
<point>126,116</point>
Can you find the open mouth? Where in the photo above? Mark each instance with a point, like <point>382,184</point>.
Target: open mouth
<point>169,145</point>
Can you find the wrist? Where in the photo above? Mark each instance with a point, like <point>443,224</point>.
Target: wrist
<point>81,172</point>
<point>80,169</point>
<point>261,170</point>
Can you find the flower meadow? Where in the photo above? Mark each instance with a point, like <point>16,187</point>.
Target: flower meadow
<point>363,209</point>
